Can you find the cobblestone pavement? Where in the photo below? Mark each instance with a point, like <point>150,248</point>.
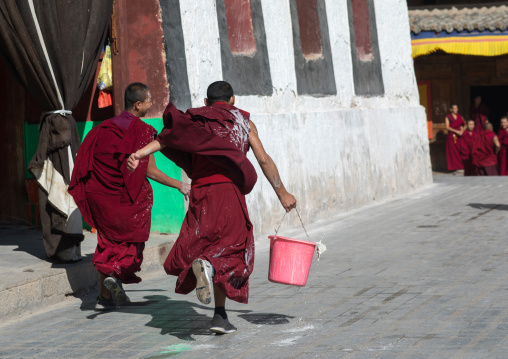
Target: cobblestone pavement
<point>420,276</point>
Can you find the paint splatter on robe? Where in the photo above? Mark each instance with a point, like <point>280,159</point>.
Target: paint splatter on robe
<point>113,200</point>
<point>210,143</point>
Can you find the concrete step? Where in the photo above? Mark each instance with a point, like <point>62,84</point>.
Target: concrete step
<point>29,282</point>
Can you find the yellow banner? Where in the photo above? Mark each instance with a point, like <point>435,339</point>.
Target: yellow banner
<point>475,45</point>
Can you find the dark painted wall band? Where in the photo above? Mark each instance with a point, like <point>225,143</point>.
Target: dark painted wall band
<point>313,77</point>
<point>367,75</point>
<point>247,75</point>
<point>174,46</point>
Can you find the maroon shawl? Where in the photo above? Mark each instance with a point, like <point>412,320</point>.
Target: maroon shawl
<point>203,131</point>
<point>133,138</point>
<point>483,149</point>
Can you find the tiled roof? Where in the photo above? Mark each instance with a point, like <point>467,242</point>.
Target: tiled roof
<point>466,19</point>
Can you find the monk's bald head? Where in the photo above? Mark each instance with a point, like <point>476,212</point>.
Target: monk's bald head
<point>488,126</point>
<point>135,92</point>
<point>219,91</point>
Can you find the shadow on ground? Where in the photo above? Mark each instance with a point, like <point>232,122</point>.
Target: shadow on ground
<point>23,237</point>
<point>266,318</point>
<point>179,318</point>
<point>499,207</point>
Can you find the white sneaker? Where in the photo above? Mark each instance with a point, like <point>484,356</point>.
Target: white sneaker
<point>203,271</point>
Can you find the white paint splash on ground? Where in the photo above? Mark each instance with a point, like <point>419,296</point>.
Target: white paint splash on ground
<point>297,330</point>
<point>203,346</point>
<point>287,342</point>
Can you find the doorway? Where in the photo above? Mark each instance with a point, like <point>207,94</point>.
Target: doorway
<point>495,98</point>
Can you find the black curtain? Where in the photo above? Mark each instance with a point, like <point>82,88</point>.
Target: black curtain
<point>53,47</point>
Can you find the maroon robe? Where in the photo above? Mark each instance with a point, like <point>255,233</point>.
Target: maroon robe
<point>483,154</point>
<point>502,156</point>
<point>466,147</point>
<point>479,115</point>
<point>453,158</point>
<point>113,200</point>
<point>210,143</point>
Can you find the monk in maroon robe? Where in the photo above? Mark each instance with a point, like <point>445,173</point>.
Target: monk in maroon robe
<point>484,153</point>
<point>455,125</point>
<point>502,156</point>
<point>115,201</point>
<point>479,112</point>
<point>214,252</point>
<point>466,147</point>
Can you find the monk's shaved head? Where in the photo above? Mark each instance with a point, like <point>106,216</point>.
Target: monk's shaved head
<point>135,92</point>
<point>219,91</point>
<point>488,126</point>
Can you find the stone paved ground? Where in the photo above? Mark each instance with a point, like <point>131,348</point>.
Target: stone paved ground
<point>421,276</point>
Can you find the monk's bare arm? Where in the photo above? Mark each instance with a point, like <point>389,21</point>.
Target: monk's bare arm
<point>270,170</point>
<point>497,144</point>
<point>157,175</point>
<point>152,147</point>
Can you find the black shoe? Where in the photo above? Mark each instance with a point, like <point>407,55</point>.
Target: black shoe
<point>203,271</point>
<point>117,292</point>
<point>104,304</point>
<point>221,325</point>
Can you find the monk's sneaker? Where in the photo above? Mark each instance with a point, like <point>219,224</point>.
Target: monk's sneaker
<point>104,303</point>
<point>221,325</point>
<point>118,294</point>
<point>204,272</point>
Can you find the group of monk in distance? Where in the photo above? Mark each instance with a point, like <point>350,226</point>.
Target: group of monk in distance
<point>214,252</point>
<point>473,146</point>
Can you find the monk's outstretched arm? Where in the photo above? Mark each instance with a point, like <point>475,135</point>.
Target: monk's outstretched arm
<point>157,175</point>
<point>270,170</point>
<point>152,147</point>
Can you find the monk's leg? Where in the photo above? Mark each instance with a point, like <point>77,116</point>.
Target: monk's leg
<point>104,300</point>
<point>219,296</point>
<point>103,291</point>
<point>220,322</point>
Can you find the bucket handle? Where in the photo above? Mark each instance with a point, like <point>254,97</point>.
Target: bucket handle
<point>277,230</point>
<point>321,248</point>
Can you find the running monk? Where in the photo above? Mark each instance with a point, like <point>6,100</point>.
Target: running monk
<point>214,252</point>
<point>115,201</point>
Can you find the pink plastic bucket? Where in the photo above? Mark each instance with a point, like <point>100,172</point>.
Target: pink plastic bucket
<point>290,260</point>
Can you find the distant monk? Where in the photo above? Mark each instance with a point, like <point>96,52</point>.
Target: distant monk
<point>466,149</point>
<point>115,201</point>
<point>455,125</point>
<point>479,112</point>
<point>502,156</point>
<point>485,148</point>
